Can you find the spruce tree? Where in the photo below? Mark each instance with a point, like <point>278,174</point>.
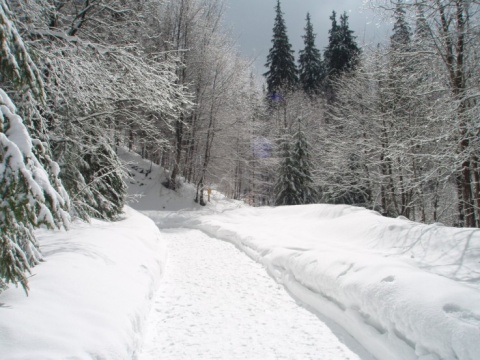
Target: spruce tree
<point>400,38</point>
<point>285,190</point>
<point>295,184</point>
<point>282,72</point>
<point>400,60</point>
<point>311,70</point>
<point>30,189</point>
<point>342,52</point>
<point>301,157</point>
<point>422,30</point>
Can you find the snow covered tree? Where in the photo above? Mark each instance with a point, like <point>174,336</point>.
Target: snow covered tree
<point>454,30</point>
<point>311,69</point>
<point>285,191</point>
<point>447,37</point>
<point>282,72</point>
<point>30,190</point>
<point>294,184</point>
<point>97,182</point>
<point>16,64</point>
<point>401,30</point>
<point>106,85</point>
<point>304,166</point>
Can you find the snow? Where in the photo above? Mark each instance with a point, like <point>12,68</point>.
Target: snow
<point>17,132</point>
<point>236,313</point>
<point>403,290</point>
<point>90,297</point>
<point>6,101</point>
<point>146,190</point>
<point>319,280</point>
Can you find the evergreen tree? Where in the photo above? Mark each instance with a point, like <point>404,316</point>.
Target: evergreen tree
<point>301,156</point>
<point>422,30</point>
<point>31,192</point>
<point>282,72</point>
<point>285,191</point>
<point>401,30</point>
<point>15,62</point>
<point>342,52</point>
<point>400,68</point>
<point>295,184</point>
<point>311,70</point>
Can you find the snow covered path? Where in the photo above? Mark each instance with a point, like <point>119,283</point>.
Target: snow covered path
<point>216,303</point>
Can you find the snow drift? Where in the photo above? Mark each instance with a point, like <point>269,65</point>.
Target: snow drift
<point>404,290</point>
<point>89,299</point>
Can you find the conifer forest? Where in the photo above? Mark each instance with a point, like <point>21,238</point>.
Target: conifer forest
<point>393,127</point>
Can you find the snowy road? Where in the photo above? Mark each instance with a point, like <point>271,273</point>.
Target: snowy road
<point>216,303</point>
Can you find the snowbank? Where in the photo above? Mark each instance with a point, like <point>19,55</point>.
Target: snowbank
<point>89,299</point>
<point>404,290</point>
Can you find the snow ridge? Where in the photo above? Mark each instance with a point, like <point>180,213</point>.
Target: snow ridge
<point>340,261</point>
<point>90,297</point>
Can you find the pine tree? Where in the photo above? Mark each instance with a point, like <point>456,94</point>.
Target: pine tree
<point>295,184</point>
<point>400,67</point>
<point>301,156</point>
<point>282,73</point>
<point>311,69</point>
<point>15,63</point>
<point>422,30</point>
<point>285,190</point>
<point>30,190</point>
<point>400,38</point>
<point>342,52</point>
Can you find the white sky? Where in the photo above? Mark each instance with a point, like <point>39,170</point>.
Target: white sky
<point>252,23</point>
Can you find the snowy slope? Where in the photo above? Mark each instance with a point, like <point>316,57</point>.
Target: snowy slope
<point>89,299</point>
<point>145,187</point>
<point>404,290</point>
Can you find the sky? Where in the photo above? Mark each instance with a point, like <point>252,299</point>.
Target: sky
<point>252,23</point>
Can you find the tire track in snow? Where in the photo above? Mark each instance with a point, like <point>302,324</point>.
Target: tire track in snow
<point>216,303</point>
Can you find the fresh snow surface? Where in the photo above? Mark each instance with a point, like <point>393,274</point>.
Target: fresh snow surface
<point>403,290</point>
<point>90,297</point>
<point>216,303</point>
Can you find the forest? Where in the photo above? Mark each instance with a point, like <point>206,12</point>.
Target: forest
<point>392,127</point>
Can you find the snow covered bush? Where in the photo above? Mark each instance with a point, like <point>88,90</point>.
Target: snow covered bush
<point>96,179</point>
